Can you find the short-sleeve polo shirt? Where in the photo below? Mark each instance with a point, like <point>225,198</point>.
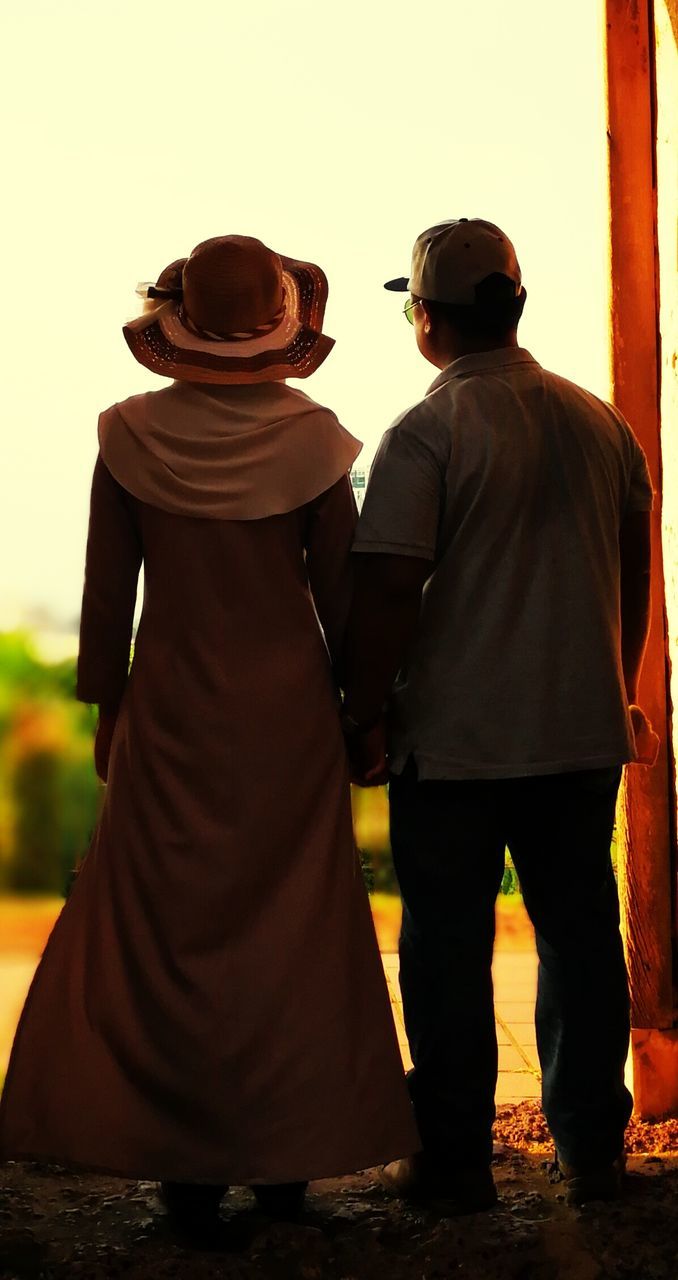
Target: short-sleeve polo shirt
<point>514,483</point>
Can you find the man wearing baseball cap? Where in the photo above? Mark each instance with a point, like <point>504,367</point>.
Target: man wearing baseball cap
<point>501,611</point>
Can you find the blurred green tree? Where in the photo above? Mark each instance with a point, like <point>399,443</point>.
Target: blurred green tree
<point>36,855</point>
<point>49,794</point>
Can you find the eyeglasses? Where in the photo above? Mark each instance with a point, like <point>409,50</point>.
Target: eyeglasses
<point>409,308</point>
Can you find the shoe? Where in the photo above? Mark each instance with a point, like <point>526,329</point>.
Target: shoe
<point>597,1182</point>
<point>281,1200</point>
<point>422,1180</point>
<point>192,1207</point>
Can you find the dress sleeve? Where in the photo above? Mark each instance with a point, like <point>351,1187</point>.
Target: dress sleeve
<point>331,522</point>
<point>112,565</point>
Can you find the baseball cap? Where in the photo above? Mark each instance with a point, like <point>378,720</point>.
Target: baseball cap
<point>451,258</point>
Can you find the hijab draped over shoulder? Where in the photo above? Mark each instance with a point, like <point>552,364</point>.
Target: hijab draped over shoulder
<point>225,452</point>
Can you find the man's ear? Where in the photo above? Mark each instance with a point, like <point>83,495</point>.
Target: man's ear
<point>428,318</point>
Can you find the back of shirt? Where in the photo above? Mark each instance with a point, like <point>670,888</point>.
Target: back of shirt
<point>514,483</point>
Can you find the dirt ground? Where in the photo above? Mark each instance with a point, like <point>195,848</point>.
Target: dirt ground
<point>56,1225</point>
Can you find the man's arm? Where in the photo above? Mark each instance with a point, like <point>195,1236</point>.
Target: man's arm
<point>382,622</point>
<point>635,559</point>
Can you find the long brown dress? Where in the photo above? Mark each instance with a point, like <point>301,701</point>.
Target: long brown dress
<point>211,1004</point>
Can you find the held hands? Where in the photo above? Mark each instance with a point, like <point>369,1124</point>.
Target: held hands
<point>366,749</point>
<point>369,766</point>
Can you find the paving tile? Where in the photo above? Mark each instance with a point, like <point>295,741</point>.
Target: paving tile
<point>515,988</point>
<point>515,962</point>
<point>514,995</point>
<point>405,1055</point>
<point>532,1058</point>
<point>510,978</point>
<point>524,1034</point>
<point>515,1011</point>
<point>514,1086</point>
<point>530,1052</point>
<point>16,975</point>
<point>510,1059</point>
<point>523,982</point>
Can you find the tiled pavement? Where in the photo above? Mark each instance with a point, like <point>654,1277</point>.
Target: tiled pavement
<point>515,985</point>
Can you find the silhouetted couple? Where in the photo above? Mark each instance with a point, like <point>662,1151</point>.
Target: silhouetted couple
<point>211,1001</point>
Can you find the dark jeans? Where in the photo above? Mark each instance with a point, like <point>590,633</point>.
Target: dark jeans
<point>448,843</point>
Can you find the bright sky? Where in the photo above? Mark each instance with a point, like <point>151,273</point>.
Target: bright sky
<point>336,133</point>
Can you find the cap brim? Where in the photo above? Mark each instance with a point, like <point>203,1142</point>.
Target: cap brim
<point>401,285</point>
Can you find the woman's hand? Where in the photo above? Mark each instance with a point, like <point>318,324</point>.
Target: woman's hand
<point>102,741</point>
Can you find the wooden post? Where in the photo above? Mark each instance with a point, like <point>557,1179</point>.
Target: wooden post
<point>647,802</point>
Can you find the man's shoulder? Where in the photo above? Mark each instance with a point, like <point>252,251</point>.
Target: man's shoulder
<point>602,418</point>
<point>418,431</point>
<point>413,417</point>
<point>580,397</point>
<point>427,420</point>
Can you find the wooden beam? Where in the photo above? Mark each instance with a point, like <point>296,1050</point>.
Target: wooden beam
<point>647,803</point>
<point>655,1073</point>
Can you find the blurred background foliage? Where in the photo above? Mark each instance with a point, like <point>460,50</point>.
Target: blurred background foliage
<point>49,793</point>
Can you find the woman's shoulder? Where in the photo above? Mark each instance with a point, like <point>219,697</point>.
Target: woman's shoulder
<point>290,401</point>
<point>294,396</point>
<point>135,405</point>
<point>323,421</point>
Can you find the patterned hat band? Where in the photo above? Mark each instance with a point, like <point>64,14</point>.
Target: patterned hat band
<point>166,293</point>
<point>240,336</point>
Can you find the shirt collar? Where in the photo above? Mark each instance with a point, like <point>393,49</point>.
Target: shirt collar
<point>482,362</point>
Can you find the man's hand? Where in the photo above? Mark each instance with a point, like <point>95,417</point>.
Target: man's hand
<point>102,741</point>
<point>367,756</point>
<point>647,741</point>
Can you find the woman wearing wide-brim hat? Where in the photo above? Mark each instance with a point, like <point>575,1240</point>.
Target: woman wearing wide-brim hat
<point>211,1007</point>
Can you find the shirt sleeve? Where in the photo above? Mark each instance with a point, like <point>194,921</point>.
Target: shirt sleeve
<point>403,503</point>
<point>640,495</point>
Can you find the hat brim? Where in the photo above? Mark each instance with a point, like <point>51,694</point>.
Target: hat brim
<point>401,285</point>
<point>294,349</point>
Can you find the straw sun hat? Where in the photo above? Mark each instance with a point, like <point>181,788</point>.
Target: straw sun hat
<point>233,312</point>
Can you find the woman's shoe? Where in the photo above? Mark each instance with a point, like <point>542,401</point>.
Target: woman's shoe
<point>192,1207</point>
<point>281,1199</point>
